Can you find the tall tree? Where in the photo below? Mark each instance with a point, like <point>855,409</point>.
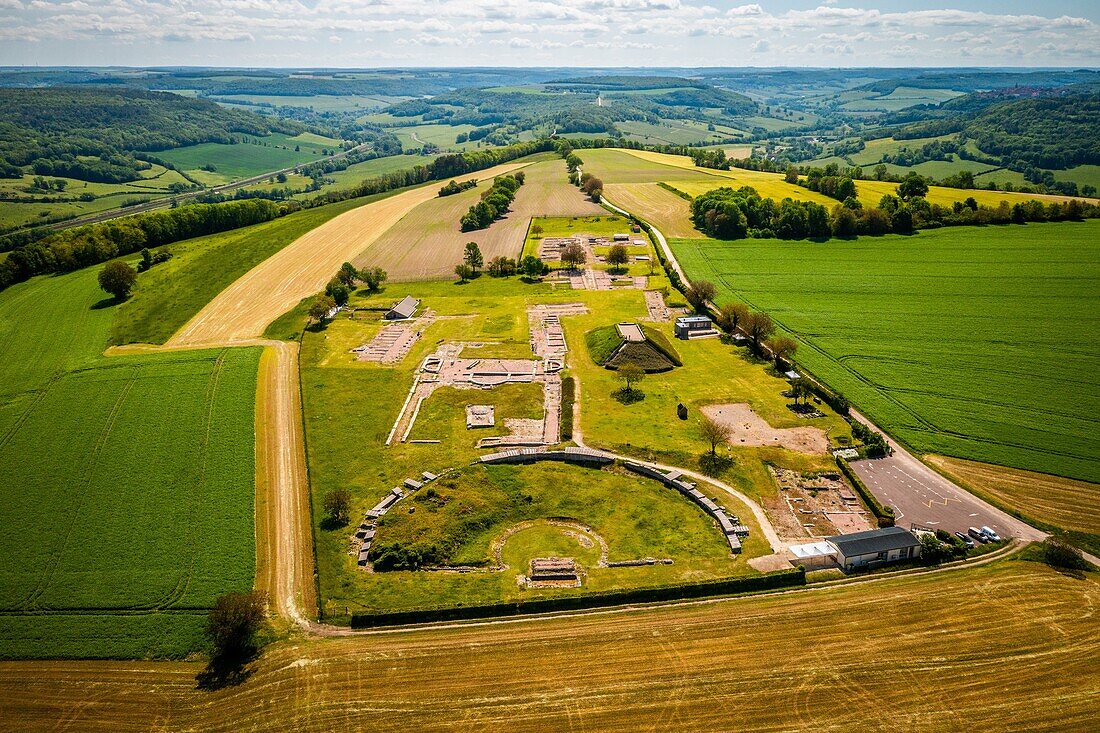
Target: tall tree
<point>473,257</point>
<point>714,432</point>
<point>117,278</point>
<point>759,326</point>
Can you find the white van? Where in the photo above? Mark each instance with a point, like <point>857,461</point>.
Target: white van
<point>990,534</point>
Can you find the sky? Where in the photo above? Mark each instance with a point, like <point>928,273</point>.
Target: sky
<point>379,33</point>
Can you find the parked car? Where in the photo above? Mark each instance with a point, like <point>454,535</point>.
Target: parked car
<point>970,544</point>
<point>990,534</point>
<point>977,534</point>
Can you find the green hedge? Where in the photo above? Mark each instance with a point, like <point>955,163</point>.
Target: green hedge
<point>568,397</point>
<point>729,586</point>
<point>884,514</point>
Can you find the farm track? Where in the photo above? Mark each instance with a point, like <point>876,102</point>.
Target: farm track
<point>267,291</point>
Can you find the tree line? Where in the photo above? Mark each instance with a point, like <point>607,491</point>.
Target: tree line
<point>80,247</point>
<point>728,213</point>
<point>494,202</point>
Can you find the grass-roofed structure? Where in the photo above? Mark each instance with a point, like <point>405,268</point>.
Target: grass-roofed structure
<point>632,343</point>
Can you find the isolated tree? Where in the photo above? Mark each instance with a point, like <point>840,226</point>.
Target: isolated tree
<point>473,257</point>
<point>759,327</point>
<point>373,277</point>
<point>337,506</point>
<point>320,308</point>
<point>464,272</point>
<point>782,349</point>
<point>536,231</point>
<point>630,374</point>
<point>281,178</point>
<point>573,255</point>
<point>617,256</point>
<point>800,390</point>
<point>699,293</point>
<point>234,624</point>
<point>348,275</point>
<point>732,315</point>
<point>791,175</point>
<point>117,278</point>
<point>714,432</point>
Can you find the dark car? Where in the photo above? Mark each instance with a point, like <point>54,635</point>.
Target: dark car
<point>970,544</point>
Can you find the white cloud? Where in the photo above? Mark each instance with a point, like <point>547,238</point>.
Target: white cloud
<point>619,32</point>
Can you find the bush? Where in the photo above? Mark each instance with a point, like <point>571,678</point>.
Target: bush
<point>875,445</point>
<point>1058,553</point>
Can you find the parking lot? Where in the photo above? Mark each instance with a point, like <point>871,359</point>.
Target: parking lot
<point>922,497</point>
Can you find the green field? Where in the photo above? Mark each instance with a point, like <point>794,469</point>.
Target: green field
<point>353,175</point>
<point>416,136</point>
<point>259,155</point>
<point>123,520</point>
<point>967,342</point>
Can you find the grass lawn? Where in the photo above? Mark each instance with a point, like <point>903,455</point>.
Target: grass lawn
<point>467,511</point>
<point>111,504</point>
<point>351,406</point>
<point>258,155</point>
<point>967,342</point>
<point>571,226</point>
<point>168,295</point>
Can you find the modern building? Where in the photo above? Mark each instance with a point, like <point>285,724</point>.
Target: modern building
<point>403,310</point>
<point>689,327</point>
<point>875,547</point>
<point>868,549</point>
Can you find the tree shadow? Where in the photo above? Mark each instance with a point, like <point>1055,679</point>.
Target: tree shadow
<point>108,302</point>
<point>330,523</point>
<point>628,396</point>
<point>714,465</point>
<point>222,672</point>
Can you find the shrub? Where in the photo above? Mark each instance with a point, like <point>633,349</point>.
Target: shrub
<point>1058,553</point>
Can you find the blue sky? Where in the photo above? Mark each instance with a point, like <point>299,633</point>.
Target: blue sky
<point>364,33</point>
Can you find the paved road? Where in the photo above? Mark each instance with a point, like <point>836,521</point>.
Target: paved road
<point>923,497</point>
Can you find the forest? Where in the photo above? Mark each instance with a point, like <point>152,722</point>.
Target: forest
<point>105,135</point>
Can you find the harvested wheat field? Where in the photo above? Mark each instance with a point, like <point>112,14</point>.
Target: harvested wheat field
<point>811,660</point>
<point>245,308</point>
<point>658,206</point>
<point>1062,502</point>
<point>428,242</point>
<point>749,429</point>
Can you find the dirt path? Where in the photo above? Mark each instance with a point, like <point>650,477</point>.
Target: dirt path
<point>245,308</point>
<point>284,550</point>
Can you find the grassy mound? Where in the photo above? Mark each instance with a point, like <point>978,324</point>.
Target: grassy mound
<point>608,349</point>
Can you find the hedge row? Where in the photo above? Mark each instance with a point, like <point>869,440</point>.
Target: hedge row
<point>884,514</point>
<point>768,581</point>
<point>568,397</point>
